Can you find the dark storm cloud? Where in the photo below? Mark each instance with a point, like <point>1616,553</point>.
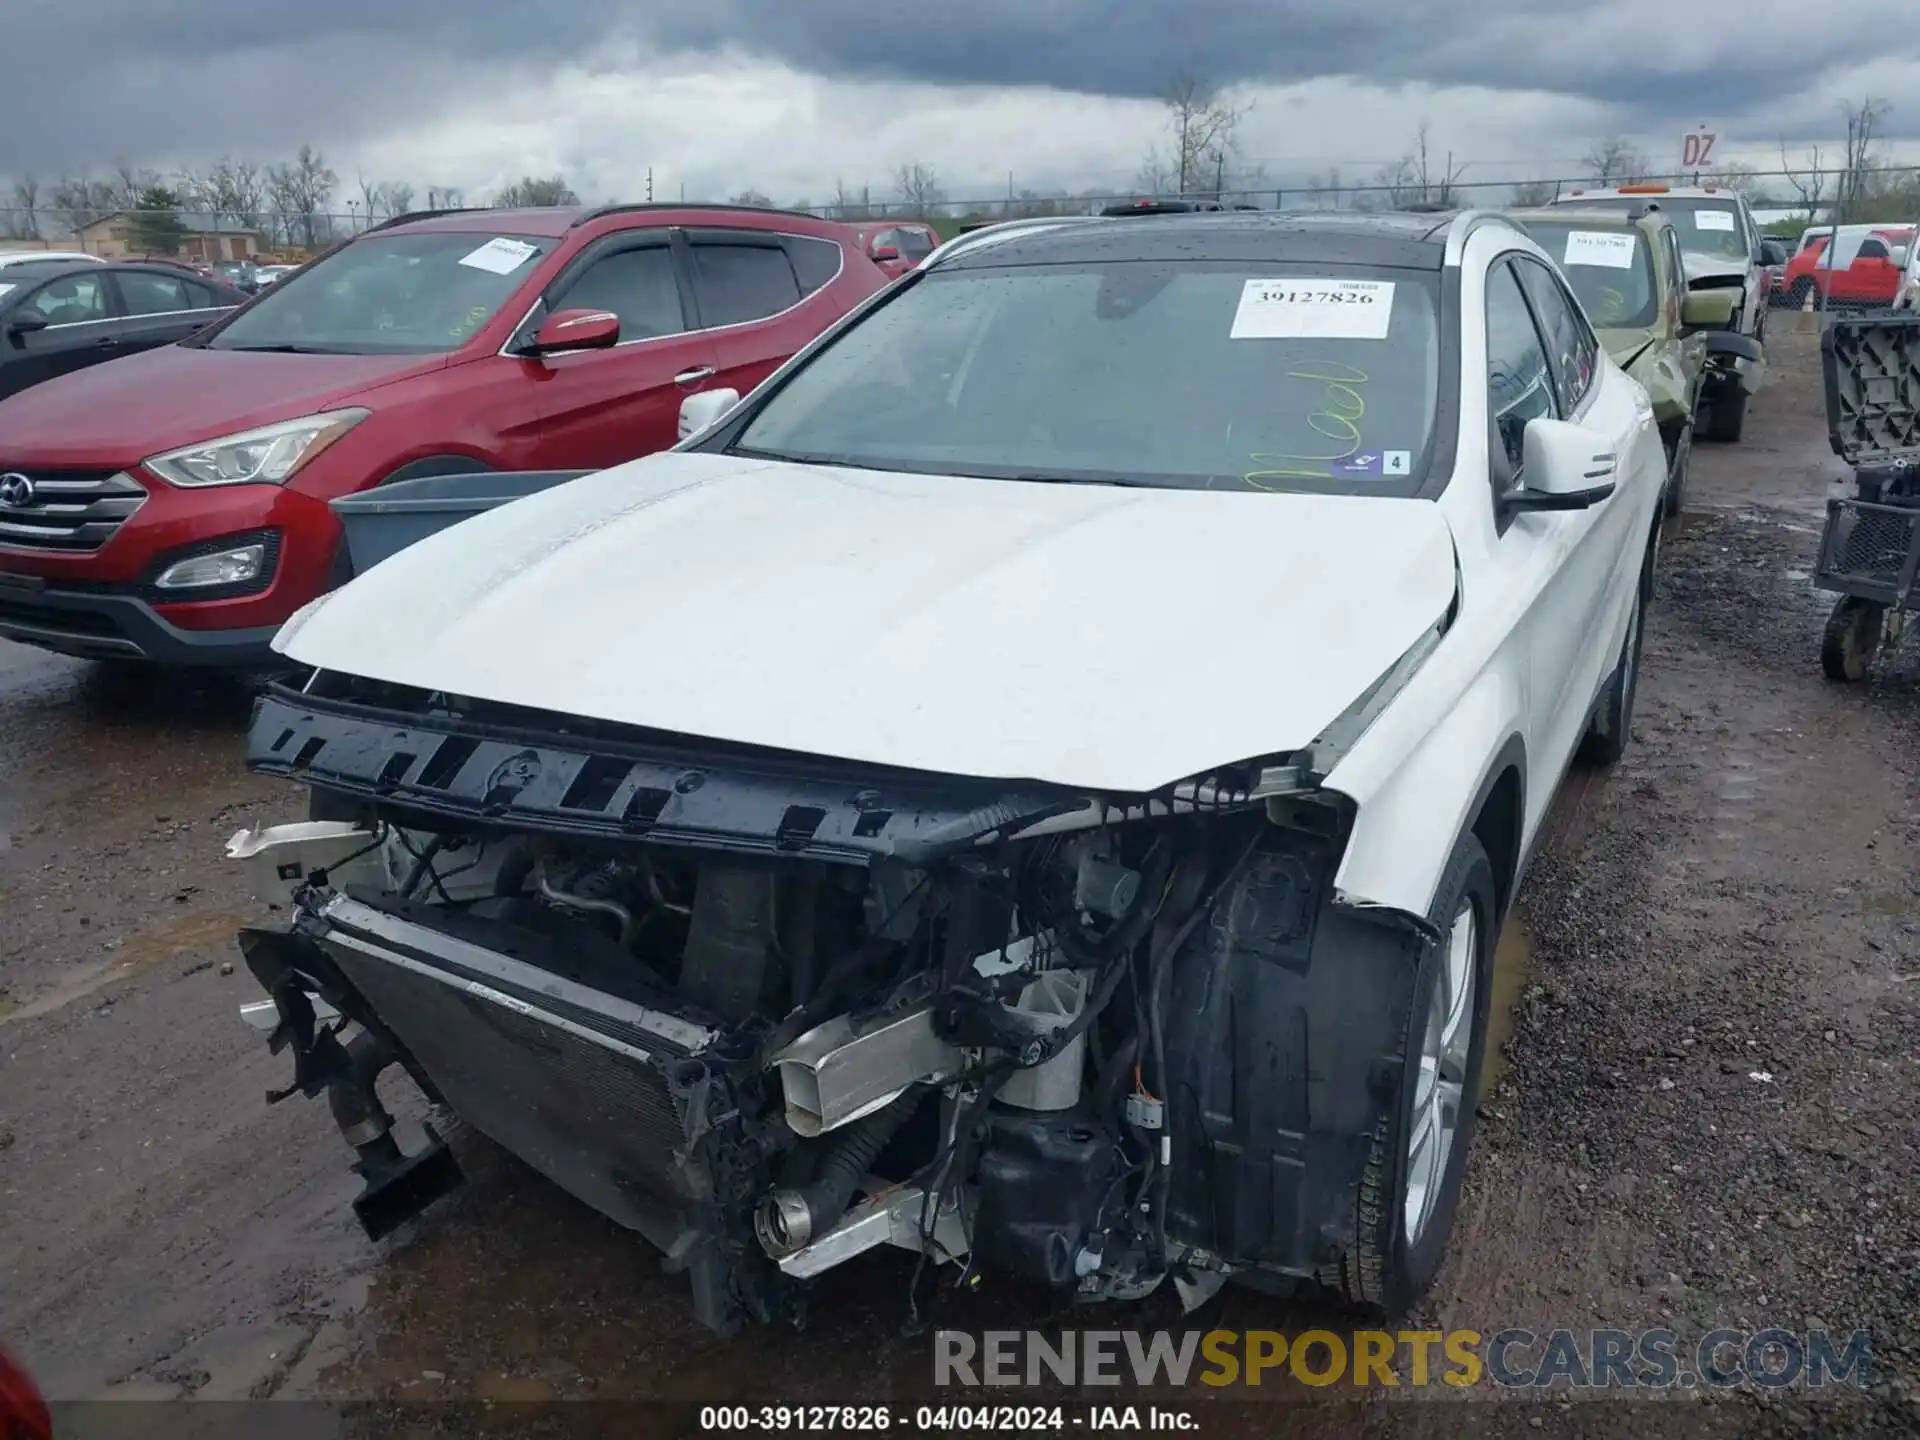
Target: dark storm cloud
<point>95,79</point>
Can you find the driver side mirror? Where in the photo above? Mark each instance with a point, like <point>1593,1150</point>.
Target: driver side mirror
<point>1772,252</point>
<point>576,329</point>
<point>882,253</point>
<point>1566,467</point>
<point>27,323</point>
<point>705,410</point>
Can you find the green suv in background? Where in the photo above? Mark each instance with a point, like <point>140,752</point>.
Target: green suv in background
<point>1680,345</point>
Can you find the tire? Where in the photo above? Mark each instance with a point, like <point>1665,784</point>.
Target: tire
<point>1612,724</point>
<point>1677,459</point>
<point>1726,415</point>
<point>1852,639</point>
<point>1407,1196</point>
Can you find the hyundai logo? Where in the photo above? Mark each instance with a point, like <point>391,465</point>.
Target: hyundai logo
<point>16,491</point>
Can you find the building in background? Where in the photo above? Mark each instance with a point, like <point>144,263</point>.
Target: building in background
<point>207,238</point>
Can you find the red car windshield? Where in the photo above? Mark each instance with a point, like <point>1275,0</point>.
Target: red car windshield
<point>389,295</point>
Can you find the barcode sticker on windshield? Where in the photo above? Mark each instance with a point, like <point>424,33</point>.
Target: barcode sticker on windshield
<point>1713,220</point>
<point>1313,310</point>
<point>1595,247</point>
<point>500,256</point>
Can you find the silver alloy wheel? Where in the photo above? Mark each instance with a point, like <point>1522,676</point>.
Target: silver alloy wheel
<point>1443,1073</point>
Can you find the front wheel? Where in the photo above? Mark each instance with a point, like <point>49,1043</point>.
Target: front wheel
<point>1417,1156</point>
<point>1852,639</point>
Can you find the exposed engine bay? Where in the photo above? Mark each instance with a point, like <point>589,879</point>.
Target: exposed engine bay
<point>772,1012</point>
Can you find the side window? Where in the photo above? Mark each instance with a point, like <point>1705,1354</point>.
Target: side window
<point>815,262</point>
<point>202,298</point>
<point>144,294</point>
<point>72,299</point>
<point>915,244</point>
<point>637,285</point>
<point>1874,248</point>
<point>1571,343</point>
<point>738,283</point>
<point>1519,384</point>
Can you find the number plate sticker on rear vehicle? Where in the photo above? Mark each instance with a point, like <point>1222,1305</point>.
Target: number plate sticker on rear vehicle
<point>1308,309</point>
<point>1593,247</point>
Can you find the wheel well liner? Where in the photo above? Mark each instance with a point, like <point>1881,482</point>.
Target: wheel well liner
<point>1499,818</point>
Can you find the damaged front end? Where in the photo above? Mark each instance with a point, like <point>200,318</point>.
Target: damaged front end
<point>773,1011</point>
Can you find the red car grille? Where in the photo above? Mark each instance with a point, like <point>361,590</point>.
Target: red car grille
<point>71,511</point>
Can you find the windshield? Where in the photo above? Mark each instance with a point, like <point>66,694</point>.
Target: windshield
<point>1610,270</point>
<point>1188,375</point>
<point>1705,226</point>
<point>389,295</point>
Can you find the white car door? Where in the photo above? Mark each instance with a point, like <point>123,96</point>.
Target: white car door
<point>1601,548</point>
<point>1562,569</point>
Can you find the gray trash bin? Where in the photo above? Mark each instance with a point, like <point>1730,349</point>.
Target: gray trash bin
<point>384,521</point>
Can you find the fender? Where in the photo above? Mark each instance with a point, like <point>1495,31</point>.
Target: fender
<point>1410,809</point>
<point>1732,357</point>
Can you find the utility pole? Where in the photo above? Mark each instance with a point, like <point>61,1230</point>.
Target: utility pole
<point>649,184</point>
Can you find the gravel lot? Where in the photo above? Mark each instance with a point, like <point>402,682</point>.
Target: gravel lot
<point>1707,1111</point>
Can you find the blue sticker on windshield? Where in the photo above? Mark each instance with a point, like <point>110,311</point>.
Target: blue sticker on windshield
<point>1375,462</point>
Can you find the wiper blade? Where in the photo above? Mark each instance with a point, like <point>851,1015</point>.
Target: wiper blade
<point>281,349</point>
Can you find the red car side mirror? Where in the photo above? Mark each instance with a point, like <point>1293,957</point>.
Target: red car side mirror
<point>576,330</point>
<point>883,253</point>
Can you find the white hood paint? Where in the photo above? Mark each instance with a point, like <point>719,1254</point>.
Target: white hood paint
<point>1699,265</point>
<point>1088,635</point>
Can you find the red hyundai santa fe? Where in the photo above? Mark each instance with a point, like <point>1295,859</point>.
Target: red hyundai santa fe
<point>172,506</point>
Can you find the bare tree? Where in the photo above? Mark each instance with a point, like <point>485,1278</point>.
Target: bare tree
<point>79,201</point>
<point>1156,176</point>
<point>918,187</point>
<point>1325,189</point>
<point>399,198</point>
<point>26,201</point>
<point>1436,184</point>
<point>235,190</point>
<point>1809,183</point>
<point>1534,192</point>
<point>300,190</point>
<point>1863,128</point>
<point>1741,179</point>
<point>444,197</point>
<point>1394,185</point>
<point>129,183</point>
<point>843,204</point>
<point>1615,159</point>
<point>1203,123</point>
<point>755,198</point>
<point>536,191</point>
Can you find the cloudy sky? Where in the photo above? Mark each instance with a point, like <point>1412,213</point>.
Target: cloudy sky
<point>791,96</point>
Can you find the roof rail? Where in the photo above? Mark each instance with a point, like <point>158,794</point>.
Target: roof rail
<point>1005,229</point>
<point>600,212</point>
<point>413,215</point>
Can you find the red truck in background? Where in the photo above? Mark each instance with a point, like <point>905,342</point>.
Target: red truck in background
<point>1863,269</point>
<point>172,506</point>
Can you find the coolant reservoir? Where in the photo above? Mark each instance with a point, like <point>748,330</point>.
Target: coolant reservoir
<point>1053,999</point>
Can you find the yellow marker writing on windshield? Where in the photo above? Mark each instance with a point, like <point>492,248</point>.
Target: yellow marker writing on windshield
<point>1342,409</point>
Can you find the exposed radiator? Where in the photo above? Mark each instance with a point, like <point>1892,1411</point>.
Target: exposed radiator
<point>598,1093</point>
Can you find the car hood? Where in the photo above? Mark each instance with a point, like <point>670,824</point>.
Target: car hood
<point>1104,637</point>
<point>122,411</point>
<point>1698,266</point>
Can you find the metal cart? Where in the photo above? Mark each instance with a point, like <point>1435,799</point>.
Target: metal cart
<point>1870,549</point>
